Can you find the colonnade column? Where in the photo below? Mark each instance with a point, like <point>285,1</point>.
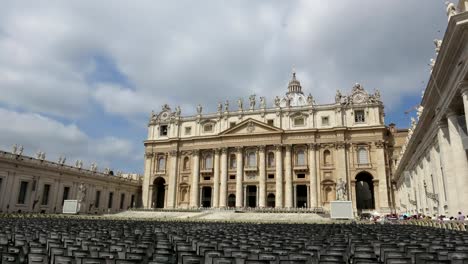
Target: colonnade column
<point>223,188</point>
<point>239,177</point>
<point>279,177</point>
<point>216,179</point>
<point>460,162</point>
<point>464,92</point>
<point>171,202</point>
<point>288,199</point>
<point>262,178</point>
<point>194,190</point>
<point>146,181</point>
<point>312,177</point>
<point>446,166</point>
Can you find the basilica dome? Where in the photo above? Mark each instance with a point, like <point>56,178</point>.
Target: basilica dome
<point>295,96</point>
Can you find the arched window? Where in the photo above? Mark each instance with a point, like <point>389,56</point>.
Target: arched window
<point>161,164</point>
<point>327,157</point>
<point>363,157</point>
<point>232,161</point>
<point>328,194</point>
<point>186,163</point>
<point>251,159</point>
<point>208,161</point>
<point>271,159</point>
<point>300,157</point>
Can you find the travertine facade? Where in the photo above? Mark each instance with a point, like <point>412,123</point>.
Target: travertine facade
<point>36,185</point>
<point>288,155</point>
<point>432,174</point>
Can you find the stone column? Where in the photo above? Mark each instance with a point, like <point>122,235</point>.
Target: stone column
<point>194,195</point>
<point>279,177</point>
<point>288,198</point>
<point>171,201</point>
<point>341,161</point>
<point>460,161</point>
<point>216,179</point>
<point>262,178</point>
<point>382,176</point>
<point>239,177</point>
<point>464,92</point>
<point>312,177</point>
<point>224,176</point>
<point>146,181</point>
<point>447,166</point>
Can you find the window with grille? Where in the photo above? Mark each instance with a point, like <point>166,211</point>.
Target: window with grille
<point>23,192</point>
<point>163,130</point>
<point>359,116</point>
<point>299,121</point>
<point>188,130</point>
<point>251,159</point>
<point>363,157</point>
<point>325,121</point>
<point>45,194</point>
<point>301,158</point>
<point>271,159</point>
<point>208,161</point>
<point>161,164</point>
<point>232,161</point>
<point>208,128</point>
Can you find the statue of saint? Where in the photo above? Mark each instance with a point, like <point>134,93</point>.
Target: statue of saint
<point>377,95</point>
<point>226,106</point>
<point>451,9</point>
<point>438,44</point>
<point>338,97</point>
<point>81,192</point>
<point>252,102</point>
<point>240,104</point>
<point>262,102</point>
<point>20,151</point>
<point>420,111</point>
<point>152,116</point>
<point>199,109</point>
<point>93,166</point>
<point>220,107</point>
<point>178,111</point>
<point>341,190</point>
<point>277,101</point>
<point>310,100</point>
<point>15,149</point>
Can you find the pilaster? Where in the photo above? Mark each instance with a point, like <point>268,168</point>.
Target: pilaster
<point>239,177</point>
<point>216,179</point>
<point>194,195</point>
<point>312,177</point>
<point>223,187</point>
<point>288,175</point>
<point>172,179</point>
<point>262,178</point>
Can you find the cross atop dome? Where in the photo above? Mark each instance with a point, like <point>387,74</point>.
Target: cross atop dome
<point>294,85</point>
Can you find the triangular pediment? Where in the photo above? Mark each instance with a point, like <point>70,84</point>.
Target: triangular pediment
<point>251,126</point>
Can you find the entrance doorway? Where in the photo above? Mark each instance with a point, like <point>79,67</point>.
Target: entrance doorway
<point>159,192</point>
<point>365,191</point>
<point>271,200</point>
<point>251,196</point>
<point>301,196</point>
<point>206,197</point>
<point>232,200</point>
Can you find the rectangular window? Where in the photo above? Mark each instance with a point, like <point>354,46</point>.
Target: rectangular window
<point>232,124</point>
<point>163,130</point>
<point>66,192</point>
<point>111,198</point>
<point>23,192</point>
<point>359,116</point>
<point>208,128</point>
<point>270,122</point>
<point>299,121</point>
<point>122,200</point>
<point>363,157</point>
<point>206,178</point>
<point>132,201</point>
<point>325,121</point>
<point>188,130</point>
<point>45,194</point>
<point>301,176</point>
<point>271,176</point>
<point>232,177</point>
<point>98,199</point>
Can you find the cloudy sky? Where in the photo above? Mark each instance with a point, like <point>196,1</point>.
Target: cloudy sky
<point>80,78</point>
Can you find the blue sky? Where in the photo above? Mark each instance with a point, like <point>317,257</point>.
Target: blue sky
<point>80,79</point>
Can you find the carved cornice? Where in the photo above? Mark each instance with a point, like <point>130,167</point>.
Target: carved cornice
<point>340,145</point>
<point>379,144</point>
<point>173,153</point>
<point>224,150</point>
<point>195,152</point>
<point>149,154</point>
<point>287,148</point>
<point>239,149</point>
<point>313,146</point>
<point>279,147</point>
<point>261,148</point>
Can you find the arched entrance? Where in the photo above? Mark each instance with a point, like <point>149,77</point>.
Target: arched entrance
<point>365,191</point>
<point>206,197</point>
<point>232,200</point>
<point>271,200</point>
<point>159,192</point>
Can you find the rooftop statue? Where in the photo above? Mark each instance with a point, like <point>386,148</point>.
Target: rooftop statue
<point>220,107</point>
<point>310,100</point>
<point>262,102</point>
<point>451,9</point>
<point>252,102</point>
<point>240,104</point>
<point>20,150</point>
<point>178,111</point>
<point>438,44</point>
<point>226,106</point>
<point>277,101</point>
<point>199,109</point>
<point>338,97</point>
<point>15,149</point>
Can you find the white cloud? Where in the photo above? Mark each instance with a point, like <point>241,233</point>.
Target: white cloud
<point>36,132</point>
